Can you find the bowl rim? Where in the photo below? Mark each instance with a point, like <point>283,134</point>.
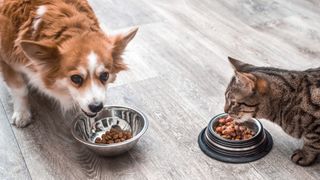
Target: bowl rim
<point>216,117</point>
<point>134,138</point>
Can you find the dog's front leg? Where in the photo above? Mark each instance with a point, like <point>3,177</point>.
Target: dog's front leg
<point>17,86</point>
<point>21,115</point>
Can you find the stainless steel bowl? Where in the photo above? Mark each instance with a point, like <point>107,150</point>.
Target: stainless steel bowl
<point>86,129</point>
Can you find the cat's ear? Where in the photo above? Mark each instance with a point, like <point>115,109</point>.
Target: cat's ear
<point>237,64</point>
<point>250,82</point>
<point>245,80</point>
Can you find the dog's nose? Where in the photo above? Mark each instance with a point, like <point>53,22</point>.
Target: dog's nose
<point>95,107</point>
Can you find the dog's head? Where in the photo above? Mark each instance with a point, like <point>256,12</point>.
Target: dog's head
<point>81,67</point>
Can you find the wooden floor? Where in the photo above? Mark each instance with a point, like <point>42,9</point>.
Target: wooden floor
<point>178,74</point>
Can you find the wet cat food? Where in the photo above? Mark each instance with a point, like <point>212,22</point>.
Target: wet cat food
<point>113,136</point>
<point>229,129</point>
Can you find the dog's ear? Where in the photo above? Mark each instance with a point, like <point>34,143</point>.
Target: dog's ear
<point>42,52</point>
<point>121,41</point>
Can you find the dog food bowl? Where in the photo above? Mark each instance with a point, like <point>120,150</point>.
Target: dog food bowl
<point>86,129</point>
<point>235,151</point>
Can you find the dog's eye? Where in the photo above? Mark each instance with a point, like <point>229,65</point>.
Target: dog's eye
<point>77,79</point>
<point>104,76</point>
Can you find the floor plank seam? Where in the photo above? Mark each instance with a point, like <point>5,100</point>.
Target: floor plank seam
<point>6,114</point>
<point>252,165</point>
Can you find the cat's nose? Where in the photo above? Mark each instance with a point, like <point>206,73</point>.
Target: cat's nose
<point>95,107</point>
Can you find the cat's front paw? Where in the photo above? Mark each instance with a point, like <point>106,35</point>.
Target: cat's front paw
<point>303,158</point>
<point>21,118</point>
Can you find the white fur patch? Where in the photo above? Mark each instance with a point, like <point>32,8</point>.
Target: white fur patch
<point>92,62</point>
<point>40,12</point>
<point>94,93</point>
<point>21,114</point>
<point>19,98</point>
<point>100,69</point>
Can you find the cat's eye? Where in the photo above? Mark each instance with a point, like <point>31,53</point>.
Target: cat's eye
<point>77,79</point>
<point>104,76</point>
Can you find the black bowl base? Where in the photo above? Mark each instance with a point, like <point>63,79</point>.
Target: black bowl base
<point>234,159</point>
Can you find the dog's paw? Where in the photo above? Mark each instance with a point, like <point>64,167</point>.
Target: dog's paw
<point>303,158</point>
<point>21,118</point>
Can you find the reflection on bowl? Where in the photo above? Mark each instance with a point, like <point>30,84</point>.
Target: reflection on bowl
<point>86,129</point>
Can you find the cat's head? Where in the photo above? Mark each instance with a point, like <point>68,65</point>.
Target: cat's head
<point>246,92</point>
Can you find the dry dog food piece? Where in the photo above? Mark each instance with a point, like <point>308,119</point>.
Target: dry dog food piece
<point>113,136</point>
<point>229,129</point>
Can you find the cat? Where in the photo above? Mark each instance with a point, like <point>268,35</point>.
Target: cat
<point>290,99</point>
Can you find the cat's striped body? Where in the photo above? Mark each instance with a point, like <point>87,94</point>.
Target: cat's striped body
<point>289,98</point>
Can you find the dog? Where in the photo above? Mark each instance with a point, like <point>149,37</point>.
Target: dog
<point>57,47</point>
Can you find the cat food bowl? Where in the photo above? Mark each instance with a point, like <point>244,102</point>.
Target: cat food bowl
<point>86,130</point>
<point>250,148</point>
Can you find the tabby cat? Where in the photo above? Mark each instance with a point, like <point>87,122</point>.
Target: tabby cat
<point>289,98</point>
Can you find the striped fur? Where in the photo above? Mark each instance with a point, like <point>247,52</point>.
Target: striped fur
<point>289,98</point>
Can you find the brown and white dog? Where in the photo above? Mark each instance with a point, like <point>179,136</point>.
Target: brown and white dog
<point>57,47</point>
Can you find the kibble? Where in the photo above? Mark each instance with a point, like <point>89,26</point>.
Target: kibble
<point>229,129</point>
<point>113,136</point>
